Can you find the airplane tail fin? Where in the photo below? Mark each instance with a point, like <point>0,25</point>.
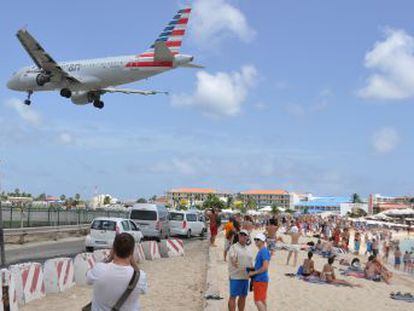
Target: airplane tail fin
<point>172,35</point>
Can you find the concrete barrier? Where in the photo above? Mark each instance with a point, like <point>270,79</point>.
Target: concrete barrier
<point>171,248</point>
<point>29,281</point>
<point>139,254</point>
<point>59,274</point>
<point>83,262</point>
<point>8,294</point>
<point>151,250</point>
<point>101,254</point>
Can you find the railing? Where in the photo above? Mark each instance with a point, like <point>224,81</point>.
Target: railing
<point>14,217</point>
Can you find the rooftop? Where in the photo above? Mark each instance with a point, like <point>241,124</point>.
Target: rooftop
<point>193,190</point>
<point>265,192</point>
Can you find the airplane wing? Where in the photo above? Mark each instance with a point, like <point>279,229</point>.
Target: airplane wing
<point>131,91</point>
<point>41,58</point>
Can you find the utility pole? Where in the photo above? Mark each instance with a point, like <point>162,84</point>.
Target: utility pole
<point>3,254</point>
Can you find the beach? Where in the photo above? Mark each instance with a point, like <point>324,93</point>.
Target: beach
<point>286,293</point>
<point>174,284</point>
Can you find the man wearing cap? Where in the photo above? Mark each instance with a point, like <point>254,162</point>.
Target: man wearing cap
<point>260,275</point>
<point>240,258</point>
<point>294,248</point>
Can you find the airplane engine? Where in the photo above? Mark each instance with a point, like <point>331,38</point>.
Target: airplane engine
<point>42,79</point>
<point>81,98</point>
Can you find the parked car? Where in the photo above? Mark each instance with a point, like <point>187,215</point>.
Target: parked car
<point>187,223</point>
<point>104,229</point>
<point>152,219</point>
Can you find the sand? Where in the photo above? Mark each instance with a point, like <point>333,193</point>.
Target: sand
<point>173,284</point>
<point>287,293</point>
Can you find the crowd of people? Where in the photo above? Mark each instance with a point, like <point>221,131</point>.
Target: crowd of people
<point>331,238</point>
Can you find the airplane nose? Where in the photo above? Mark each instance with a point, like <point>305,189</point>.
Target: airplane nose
<point>11,84</point>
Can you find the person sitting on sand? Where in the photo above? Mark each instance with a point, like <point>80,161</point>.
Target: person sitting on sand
<point>328,274</point>
<point>375,270</point>
<point>319,246</point>
<point>308,266</point>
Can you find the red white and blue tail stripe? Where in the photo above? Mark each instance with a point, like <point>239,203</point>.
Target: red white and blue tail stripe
<point>173,33</point>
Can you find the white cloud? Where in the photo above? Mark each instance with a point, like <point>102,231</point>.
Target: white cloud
<point>392,61</point>
<point>214,20</point>
<point>385,140</point>
<point>295,110</point>
<point>65,138</point>
<point>27,113</point>
<point>220,94</point>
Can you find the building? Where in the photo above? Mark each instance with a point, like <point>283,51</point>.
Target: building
<point>192,196</point>
<point>324,204</point>
<point>280,198</point>
<point>379,203</point>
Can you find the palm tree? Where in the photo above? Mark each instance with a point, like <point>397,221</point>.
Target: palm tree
<point>356,198</point>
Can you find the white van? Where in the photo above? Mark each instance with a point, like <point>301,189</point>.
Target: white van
<point>188,223</point>
<point>152,220</point>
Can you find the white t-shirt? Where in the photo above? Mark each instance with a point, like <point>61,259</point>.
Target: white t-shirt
<point>109,282</point>
<point>243,257</point>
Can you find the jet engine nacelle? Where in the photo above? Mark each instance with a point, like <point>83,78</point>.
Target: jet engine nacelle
<point>81,98</point>
<point>182,59</point>
<point>33,78</point>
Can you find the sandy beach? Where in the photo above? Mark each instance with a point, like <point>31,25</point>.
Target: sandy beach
<point>174,284</point>
<point>287,293</point>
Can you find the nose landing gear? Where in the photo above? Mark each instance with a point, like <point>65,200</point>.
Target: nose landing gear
<point>98,104</point>
<point>27,101</point>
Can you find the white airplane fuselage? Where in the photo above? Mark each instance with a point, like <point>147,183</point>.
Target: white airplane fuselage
<point>96,73</point>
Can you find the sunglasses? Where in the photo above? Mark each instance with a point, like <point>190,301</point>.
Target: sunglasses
<point>257,240</point>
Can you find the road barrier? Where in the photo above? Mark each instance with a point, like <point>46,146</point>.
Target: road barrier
<point>58,274</point>
<point>171,248</point>
<point>29,281</point>
<point>151,250</point>
<point>101,255</point>
<point>83,262</point>
<point>139,254</point>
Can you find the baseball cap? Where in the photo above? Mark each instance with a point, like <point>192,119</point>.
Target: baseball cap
<point>294,229</point>
<point>244,231</point>
<point>261,237</point>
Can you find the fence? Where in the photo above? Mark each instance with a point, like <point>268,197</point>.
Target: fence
<point>34,217</point>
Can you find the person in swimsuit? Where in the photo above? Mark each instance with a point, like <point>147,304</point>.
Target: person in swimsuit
<point>271,230</point>
<point>328,274</point>
<point>212,215</point>
<point>397,258</point>
<point>294,247</point>
<point>308,266</point>
<point>375,270</point>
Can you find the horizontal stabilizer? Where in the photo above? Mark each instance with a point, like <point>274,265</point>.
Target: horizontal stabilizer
<point>162,53</point>
<point>190,65</point>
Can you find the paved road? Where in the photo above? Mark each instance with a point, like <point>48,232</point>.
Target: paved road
<point>41,251</point>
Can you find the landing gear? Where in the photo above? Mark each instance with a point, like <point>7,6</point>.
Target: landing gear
<point>98,104</point>
<point>27,101</point>
<point>65,93</point>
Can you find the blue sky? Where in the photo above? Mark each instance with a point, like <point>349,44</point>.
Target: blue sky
<point>301,95</point>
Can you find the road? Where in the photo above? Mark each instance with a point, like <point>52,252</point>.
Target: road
<point>44,250</point>
<point>41,251</point>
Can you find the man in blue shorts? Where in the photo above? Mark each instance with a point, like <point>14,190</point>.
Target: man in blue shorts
<point>240,259</point>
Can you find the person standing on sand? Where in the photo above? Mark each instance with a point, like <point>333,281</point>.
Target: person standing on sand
<point>111,279</point>
<point>397,258</point>
<point>294,247</point>
<point>213,215</point>
<point>260,274</point>
<point>240,258</point>
<point>271,230</point>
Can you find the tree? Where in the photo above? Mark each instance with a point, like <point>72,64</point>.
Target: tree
<point>251,204</point>
<point>183,205</point>
<point>62,197</point>
<point>77,197</point>
<point>356,198</point>
<point>107,200</point>
<point>229,201</point>
<point>17,192</point>
<point>212,201</point>
<point>153,198</point>
<point>275,209</point>
<point>141,200</point>
<point>41,197</point>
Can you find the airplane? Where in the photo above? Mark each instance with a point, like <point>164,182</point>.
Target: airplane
<point>85,81</point>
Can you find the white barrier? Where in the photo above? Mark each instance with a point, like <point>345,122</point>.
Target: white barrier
<point>151,250</point>
<point>29,282</point>
<point>59,274</point>
<point>139,254</point>
<point>83,262</point>
<point>101,254</point>
<point>171,248</point>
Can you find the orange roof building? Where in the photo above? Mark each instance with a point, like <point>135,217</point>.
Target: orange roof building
<point>278,197</point>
